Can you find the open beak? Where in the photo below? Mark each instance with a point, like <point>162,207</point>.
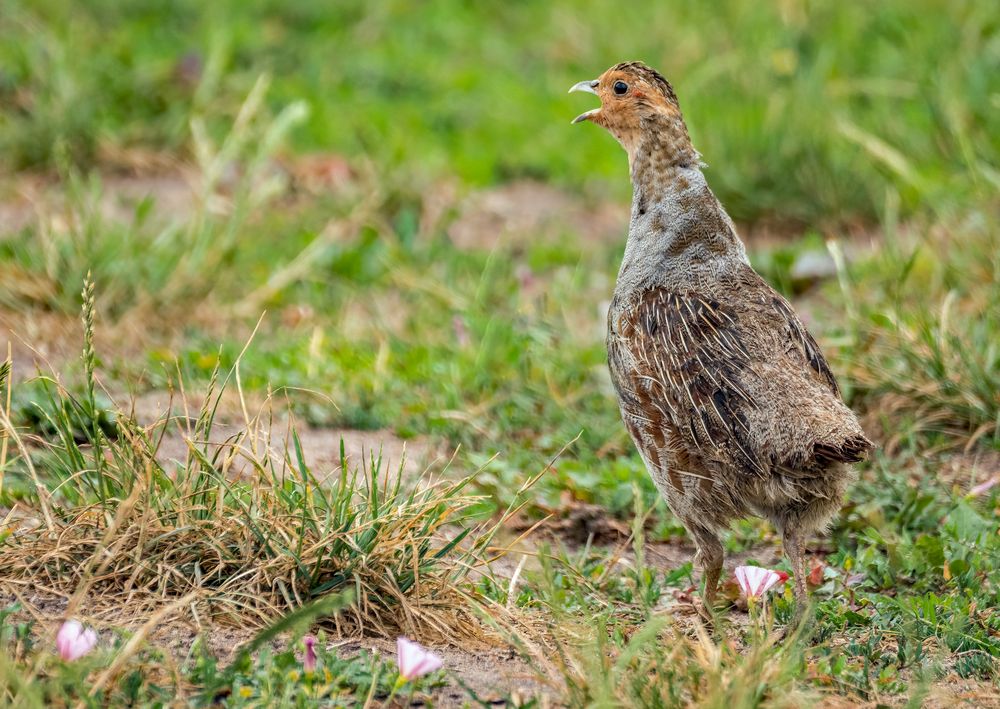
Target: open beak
<point>591,88</point>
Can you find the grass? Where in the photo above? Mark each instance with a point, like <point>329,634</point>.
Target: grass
<point>240,530</point>
<point>147,264</point>
<point>268,676</point>
<point>241,524</point>
<point>649,669</point>
<point>933,364</point>
<point>834,111</point>
<point>870,131</point>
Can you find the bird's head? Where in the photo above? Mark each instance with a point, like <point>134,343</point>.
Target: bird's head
<point>637,103</point>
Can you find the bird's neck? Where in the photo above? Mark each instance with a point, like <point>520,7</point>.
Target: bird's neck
<point>678,228</point>
<point>659,143</point>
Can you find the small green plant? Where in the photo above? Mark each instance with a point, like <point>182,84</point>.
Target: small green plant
<point>277,678</point>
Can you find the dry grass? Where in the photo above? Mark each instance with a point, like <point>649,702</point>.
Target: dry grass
<point>243,529</point>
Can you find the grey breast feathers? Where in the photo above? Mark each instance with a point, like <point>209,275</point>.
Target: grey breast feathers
<point>742,385</point>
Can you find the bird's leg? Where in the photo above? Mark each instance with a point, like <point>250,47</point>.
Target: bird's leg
<point>710,557</point>
<point>795,549</point>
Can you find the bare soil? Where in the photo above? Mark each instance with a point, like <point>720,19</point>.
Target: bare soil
<point>34,197</point>
<point>520,213</point>
<point>320,446</point>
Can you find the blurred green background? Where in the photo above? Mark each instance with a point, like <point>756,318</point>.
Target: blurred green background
<point>803,110</point>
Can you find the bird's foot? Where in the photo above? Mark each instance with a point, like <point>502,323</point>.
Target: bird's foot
<point>707,610</point>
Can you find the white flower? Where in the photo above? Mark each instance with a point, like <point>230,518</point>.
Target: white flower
<point>415,661</point>
<point>73,641</point>
<point>755,581</point>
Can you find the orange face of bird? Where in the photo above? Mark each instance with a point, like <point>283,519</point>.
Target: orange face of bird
<point>633,97</point>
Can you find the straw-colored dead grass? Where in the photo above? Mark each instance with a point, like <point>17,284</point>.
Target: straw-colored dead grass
<point>245,571</point>
<point>243,527</point>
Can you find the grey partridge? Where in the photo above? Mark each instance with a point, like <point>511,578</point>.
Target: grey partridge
<point>727,397</point>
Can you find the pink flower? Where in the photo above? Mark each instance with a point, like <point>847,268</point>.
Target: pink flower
<point>983,488</point>
<point>415,661</point>
<point>73,641</point>
<point>309,665</point>
<point>755,581</point>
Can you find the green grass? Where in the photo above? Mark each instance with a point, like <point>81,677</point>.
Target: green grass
<point>924,334</point>
<point>804,112</point>
<point>830,119</point>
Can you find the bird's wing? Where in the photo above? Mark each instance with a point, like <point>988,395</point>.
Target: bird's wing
<point>800,339</point>
<point>688,357</point>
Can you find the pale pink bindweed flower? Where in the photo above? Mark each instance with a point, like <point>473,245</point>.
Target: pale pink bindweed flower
<point>984,487</point>
<point>415,661</point>
<point>755,581</point>
<point>309,665</point>
<point>73,641</point>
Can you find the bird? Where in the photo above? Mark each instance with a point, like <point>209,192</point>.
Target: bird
<point>726,395</point>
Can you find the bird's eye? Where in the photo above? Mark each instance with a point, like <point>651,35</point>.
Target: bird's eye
<point>620,87</point>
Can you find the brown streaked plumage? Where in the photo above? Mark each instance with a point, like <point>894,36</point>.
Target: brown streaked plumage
<point>727,396</point>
